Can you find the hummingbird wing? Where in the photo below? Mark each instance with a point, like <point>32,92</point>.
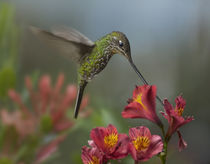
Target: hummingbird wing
<point>71,43</point>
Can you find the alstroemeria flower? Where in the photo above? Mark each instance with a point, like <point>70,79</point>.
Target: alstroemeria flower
<point>174,115</point>
<point>142,105</point>
<point>143,145</point>
<point>92,156</point>
<point>109,142</point>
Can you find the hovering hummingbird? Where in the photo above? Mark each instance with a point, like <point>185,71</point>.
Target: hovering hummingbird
<point>92,57</point>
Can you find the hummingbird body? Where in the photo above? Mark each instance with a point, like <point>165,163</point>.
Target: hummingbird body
<point>92,57</point>
<point>94,63</point>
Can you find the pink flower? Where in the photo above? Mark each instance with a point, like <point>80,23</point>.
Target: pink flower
<point>47,114</point>
<point>109,142</point>
<point>143,145</point>
<point>49,100</point>
<point>174,115</point>
<point>142,105</point>
<point>92,156</point>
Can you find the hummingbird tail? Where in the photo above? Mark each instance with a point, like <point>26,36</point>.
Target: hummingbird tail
<point>143,79</point>
<point>79,98</point>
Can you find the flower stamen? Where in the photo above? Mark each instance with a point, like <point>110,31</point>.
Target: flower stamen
<point>138,99</point>
<point>179,111</point>
<point>111,140</point>
<point>141,143</point>
<point>95,160</point>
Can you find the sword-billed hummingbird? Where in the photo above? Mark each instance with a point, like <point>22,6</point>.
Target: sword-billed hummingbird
<point>92,57</point>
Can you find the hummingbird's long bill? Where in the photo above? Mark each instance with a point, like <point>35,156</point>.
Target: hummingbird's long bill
<point>142,78</point>
<point>79,98</point>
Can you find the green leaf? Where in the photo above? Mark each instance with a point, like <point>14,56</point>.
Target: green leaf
<point>7,80</point>
<point>9,35</point>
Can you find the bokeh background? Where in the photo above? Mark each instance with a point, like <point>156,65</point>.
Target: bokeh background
<point>170,44</point>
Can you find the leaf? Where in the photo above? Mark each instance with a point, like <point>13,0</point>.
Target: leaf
<point>7,80</point>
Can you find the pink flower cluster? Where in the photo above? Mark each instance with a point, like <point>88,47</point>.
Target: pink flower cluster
<point>107,143</point>
<point>47,113</point>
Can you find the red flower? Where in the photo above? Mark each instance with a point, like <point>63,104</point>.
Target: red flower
<point>143,145</point>
<point>174,116</point>
<point>109,142</point>
<point>142,105</point>
<point>92,156</point>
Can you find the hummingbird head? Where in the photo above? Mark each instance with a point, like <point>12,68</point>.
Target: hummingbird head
<point>120,44</point>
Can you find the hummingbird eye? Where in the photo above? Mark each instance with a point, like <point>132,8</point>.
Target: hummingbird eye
<point>121,43</point>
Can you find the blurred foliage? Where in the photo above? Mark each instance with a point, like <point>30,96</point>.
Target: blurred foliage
<point>9,37</point>
<point>5,161</point>
<point>46,124</point>
<point>7,80</point>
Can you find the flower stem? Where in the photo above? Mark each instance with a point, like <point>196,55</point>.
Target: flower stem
<point>163,154</point>
<point>163,132</point>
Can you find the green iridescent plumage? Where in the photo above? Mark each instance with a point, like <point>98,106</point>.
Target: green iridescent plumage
<point>91,57</point>
<point>92,62</point>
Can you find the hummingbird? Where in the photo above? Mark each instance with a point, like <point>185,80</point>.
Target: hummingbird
<point>91,57</point>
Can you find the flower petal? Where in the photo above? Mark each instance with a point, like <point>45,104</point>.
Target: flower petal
<point>134,110</point>
<point>156,146</point>
<point>139,131</point>
<point>149,97</point>
<point>182,142</point>
<point>180,102</point>
<point>143,104</point>
<point>91,156</point>
<point>97,135</point>
<point>122,147</point>
<point>168,107</point>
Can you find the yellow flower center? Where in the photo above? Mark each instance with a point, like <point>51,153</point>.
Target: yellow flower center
<point>179,111</point>
<point>111,140</point>
<point>141,143</point>
<point>95,160</point>
<point>138,99</point>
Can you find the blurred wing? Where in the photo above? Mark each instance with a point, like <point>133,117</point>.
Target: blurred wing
<point>71,43</point>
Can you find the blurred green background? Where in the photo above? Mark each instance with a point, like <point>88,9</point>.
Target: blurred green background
<point>170,44</point>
